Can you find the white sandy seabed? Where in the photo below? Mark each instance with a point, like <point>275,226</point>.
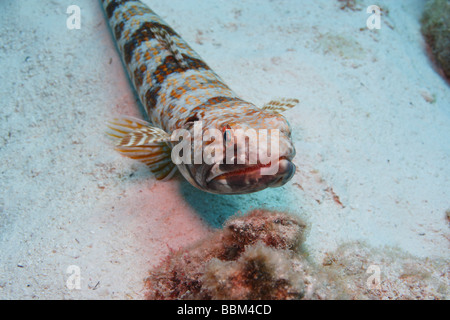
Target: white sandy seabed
<point>372,132</point>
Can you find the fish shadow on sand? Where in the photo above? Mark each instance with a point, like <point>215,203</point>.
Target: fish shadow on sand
<point>215,209</point>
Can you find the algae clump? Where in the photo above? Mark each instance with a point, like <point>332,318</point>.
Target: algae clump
<point>436,30</point>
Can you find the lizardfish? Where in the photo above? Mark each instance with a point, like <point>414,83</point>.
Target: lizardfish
<point>179,90</point>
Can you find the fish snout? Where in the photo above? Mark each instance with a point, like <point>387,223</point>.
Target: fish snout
<point>239,179</point>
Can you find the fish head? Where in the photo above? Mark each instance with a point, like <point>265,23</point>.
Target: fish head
<point>239,152</point>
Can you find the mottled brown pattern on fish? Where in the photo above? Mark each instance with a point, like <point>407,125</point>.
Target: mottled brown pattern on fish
<point>168,84</point>
<point>177,88</point>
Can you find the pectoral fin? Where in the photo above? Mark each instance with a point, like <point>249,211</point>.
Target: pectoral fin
<point>280,105</point>
<point>137,139</point>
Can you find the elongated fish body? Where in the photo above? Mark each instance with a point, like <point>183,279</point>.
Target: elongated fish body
<point>178,89</point>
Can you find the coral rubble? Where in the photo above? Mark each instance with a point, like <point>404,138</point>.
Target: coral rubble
<point>401,275</point>
<point>253,257</point>
<point>260,256</point>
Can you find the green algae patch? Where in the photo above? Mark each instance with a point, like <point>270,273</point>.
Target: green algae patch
<point>341,46</point>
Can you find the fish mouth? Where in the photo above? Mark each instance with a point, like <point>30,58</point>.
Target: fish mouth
<point>239,179</point>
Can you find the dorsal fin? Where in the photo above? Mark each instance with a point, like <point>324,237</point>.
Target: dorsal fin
<point>280,105</point>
